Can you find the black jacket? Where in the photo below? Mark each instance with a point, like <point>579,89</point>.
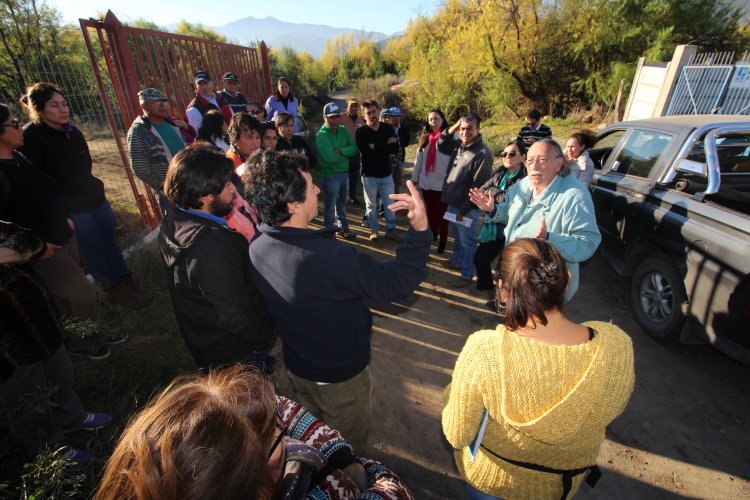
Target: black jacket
<point>315,286</point>
<point>469,167</point>
<point>376,161</point>
<point>64,156</point>
<point>220,313</point>
<point>297,144</point>
<point>33,201</point>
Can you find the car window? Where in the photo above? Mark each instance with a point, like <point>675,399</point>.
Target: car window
<point>641,152</point>
<point>733,151</point>
<point>600,152</point>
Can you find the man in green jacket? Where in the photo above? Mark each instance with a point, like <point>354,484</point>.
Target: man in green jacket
<point>335,147</point>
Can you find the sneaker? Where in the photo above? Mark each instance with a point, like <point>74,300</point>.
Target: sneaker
<point>75,455</point>
<point>365,222</point>
<point>348,235</point>
<point>394,236</point>
<point>93,421</point>
<point>373,236</point>
<point>90,348</point>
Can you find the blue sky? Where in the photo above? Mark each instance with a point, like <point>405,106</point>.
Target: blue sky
<point>385,16</point>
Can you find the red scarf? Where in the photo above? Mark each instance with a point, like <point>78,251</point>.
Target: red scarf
<point>429,162</point>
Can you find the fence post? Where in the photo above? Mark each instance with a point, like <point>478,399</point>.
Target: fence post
<point>682,54</point>
<point>128,76</point>
<point>266,68</point>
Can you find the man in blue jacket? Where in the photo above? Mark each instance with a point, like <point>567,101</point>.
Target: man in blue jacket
<point>314,287</point>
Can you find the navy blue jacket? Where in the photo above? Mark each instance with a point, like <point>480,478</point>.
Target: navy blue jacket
<point>314,287</point>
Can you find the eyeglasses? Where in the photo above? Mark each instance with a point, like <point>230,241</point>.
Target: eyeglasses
<point>15,123</point>
<point>279,424</point>
<point>539,159</point>
<point>509,154</point>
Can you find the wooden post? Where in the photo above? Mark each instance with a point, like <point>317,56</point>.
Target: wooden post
<point>266,68</point>
<point>618,101</point>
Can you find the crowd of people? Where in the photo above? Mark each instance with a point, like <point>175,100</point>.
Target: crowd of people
<point>528,403</point>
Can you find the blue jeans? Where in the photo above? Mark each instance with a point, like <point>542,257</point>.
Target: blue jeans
<point>374,187</point>
<point>465,243</point>
<point>474,494</point>
<point>97,244</point>
<point>335,189</point>
<point>354,168</point>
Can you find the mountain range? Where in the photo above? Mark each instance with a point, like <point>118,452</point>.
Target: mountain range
<point>309,37</point>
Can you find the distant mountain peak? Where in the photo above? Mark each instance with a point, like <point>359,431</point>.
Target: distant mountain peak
<point>276,33</point>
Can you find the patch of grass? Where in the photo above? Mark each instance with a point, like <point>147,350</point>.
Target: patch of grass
<point>124,382</point>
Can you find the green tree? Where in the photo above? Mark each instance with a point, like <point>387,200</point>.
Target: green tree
<point>27,30</point>
<point>555,55</point>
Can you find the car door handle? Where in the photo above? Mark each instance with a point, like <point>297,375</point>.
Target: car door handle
<point>634,194</point>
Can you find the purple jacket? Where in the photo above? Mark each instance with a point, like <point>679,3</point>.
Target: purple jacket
<point>275,106</point>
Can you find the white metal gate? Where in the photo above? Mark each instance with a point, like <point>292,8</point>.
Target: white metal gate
<point>713,83</point>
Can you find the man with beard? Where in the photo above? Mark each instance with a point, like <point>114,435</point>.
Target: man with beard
<point>221,315</point>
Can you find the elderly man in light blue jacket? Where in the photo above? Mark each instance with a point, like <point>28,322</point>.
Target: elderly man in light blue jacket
<point>548,205</point>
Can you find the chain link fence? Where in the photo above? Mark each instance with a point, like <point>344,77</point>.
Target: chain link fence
<point>66,64</point>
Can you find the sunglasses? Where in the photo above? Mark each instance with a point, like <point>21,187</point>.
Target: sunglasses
<point>511,154</point>
<point>15,123</point>
<point>279,425</point>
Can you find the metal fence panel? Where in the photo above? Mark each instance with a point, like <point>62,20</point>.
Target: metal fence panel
<point>699,90</point>
<point>126,60</point>
<point>710,83</point>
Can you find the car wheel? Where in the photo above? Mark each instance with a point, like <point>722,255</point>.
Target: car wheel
<point>657,294</point>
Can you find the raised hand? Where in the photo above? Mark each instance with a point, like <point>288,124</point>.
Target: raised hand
<point>542,231</point>
<point>414,204</point>
<point>484,202</point>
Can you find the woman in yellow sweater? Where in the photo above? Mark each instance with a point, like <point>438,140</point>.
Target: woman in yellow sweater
<point>548,387</point>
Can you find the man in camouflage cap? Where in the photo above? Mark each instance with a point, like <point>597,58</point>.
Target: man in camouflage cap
<point>153,139</point>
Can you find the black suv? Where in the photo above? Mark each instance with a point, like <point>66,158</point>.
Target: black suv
<point>672,199</point>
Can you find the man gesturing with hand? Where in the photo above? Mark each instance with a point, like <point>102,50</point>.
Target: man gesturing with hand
<point>315,288</point>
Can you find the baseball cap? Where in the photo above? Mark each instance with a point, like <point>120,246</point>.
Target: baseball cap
<point>151,94</point>
<point>201,76</point>
<point>386,112</point>
<point>229,76</point>
<point>395,111</point>
<point>331,109</point>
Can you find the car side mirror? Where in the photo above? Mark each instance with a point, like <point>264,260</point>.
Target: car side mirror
<point>692,167</point>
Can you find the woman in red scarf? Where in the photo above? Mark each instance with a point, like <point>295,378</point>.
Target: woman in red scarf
<point>430,167</point>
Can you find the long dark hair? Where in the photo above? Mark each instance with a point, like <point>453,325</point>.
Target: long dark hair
<point>424,138</point>
<point>36,98</point>
<point>276,92</point>
<point>212,126</point>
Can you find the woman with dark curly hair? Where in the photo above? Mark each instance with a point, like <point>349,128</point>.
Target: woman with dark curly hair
<point>529,402</point>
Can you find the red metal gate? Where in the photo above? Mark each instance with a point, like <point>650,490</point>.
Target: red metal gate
<point>126,60</point>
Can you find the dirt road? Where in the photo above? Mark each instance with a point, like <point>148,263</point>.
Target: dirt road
<point>684,433</point>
